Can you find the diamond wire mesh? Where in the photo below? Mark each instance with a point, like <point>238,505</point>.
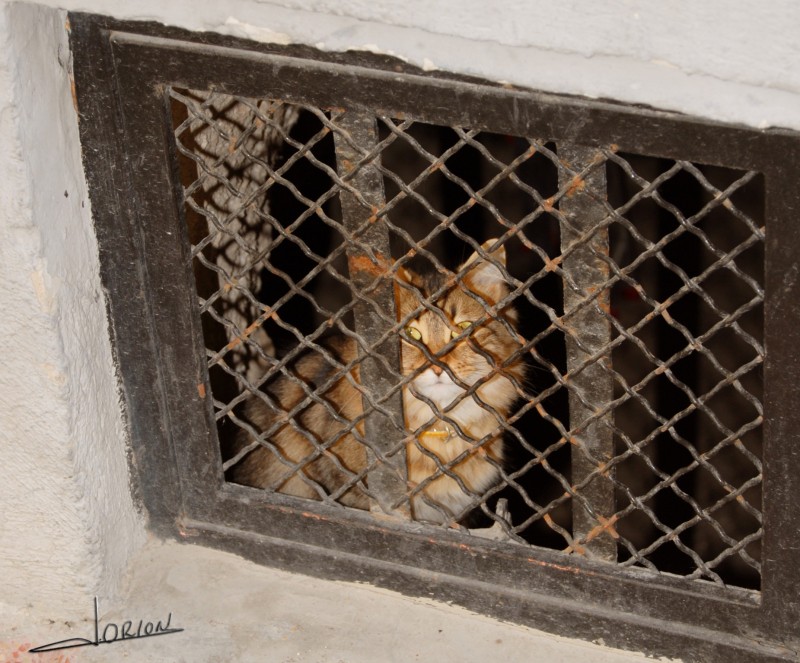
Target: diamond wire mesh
<point>677,316</point>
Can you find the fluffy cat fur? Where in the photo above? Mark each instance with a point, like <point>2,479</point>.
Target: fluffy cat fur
<point>442,499</point>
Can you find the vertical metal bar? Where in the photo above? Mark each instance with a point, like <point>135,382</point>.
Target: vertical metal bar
<point>593,386</point>
<point>387,480</point>
<point>781,576</point>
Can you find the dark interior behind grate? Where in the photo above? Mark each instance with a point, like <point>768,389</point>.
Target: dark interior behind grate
<point>633,359</point>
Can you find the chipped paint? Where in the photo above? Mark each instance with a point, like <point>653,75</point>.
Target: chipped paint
<point>428,65</point>
<point>239,28</point>
<point>378,50</point>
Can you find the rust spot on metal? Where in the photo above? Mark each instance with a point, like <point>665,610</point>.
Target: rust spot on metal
<point>606,525</point>
<point>313,516</point>
<point>201,390</point>
<point>575,548</point>
<point>185,530</point>
<point>548,204</point>
<point>374,216</point>
<point>557,567</point>
<point>577,184</point>
<point>365,265</point>
<point>243,336</point>
<point>552,265</point>
<point>540,409</point>
<point>572,548</point>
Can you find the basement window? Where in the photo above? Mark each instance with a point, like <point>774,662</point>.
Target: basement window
<point>369,317</point>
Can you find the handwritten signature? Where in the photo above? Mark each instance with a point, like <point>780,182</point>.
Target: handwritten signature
<point>112,633</point>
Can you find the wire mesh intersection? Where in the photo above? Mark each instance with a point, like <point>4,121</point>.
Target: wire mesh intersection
<point>591,322</point>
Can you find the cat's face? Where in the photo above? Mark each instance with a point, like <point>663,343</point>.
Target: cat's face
<point>482,341</point>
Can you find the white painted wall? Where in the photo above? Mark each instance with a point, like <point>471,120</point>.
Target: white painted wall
<point>67,523</point>
<point>731,60</point>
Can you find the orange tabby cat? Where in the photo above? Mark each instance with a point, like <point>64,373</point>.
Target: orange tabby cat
<point>457,315</point>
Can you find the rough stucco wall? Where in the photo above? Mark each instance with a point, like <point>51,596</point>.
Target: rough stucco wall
<point>68,525</point>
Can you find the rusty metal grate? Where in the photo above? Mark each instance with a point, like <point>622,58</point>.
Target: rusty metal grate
<point>272,221</point>
<point>631,427</point>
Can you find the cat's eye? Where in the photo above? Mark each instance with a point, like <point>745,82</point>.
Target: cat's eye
<point>466,324</point>
<point>414,333</point>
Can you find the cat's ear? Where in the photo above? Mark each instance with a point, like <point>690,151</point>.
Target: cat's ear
<point>406,299</point>
<point>404,275</point>
<point>485,277</point>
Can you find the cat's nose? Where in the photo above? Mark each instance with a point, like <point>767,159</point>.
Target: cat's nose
<point>437,370</point>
